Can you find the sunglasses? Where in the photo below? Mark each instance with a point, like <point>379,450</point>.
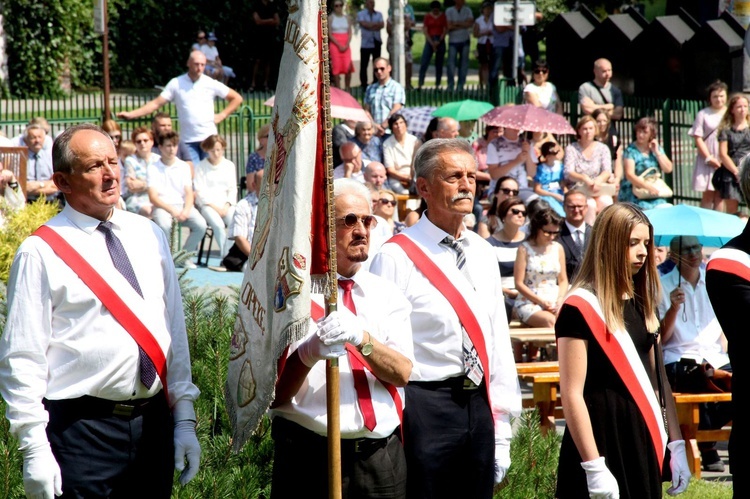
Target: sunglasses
<point>540,71</point>
<point>350,220</point>
<point>509,192</point>
<point>387,201</point>
<point>688,250</point>
<point>551,232</point>
<point>379,69</point>
<point>518,212</point>
<point>142,141</point>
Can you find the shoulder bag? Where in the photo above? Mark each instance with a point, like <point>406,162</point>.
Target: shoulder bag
<point>653,176</point>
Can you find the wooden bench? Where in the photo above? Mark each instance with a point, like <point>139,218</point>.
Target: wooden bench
<point>537,367</point>
<point>531,340</point>
<point>688,414</point>
<point>545,396</point>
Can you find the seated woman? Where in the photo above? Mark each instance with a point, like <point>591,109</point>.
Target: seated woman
<point>385,207</point>
<point>639,156</point>
<point>539,272</point>
<point>136,171</point>
<point>506,187</point>
<point>216,189</point>
<point>506,240</point>
<point>588,163</point>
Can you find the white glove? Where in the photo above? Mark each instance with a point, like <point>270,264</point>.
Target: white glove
<point>313,349</point>
<point>679,465</point>
<point>601,482</point>
<point>41,473</point>
<point>338,328</point>
<point>186,448</point>
<point>502,460</point>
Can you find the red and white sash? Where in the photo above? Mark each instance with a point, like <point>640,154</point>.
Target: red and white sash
<point>731,261</point>
<point>443,284</point>
<point>620,350</point>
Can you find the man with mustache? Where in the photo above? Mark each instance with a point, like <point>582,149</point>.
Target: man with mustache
<point>371,326</point>
<point>464,387</point>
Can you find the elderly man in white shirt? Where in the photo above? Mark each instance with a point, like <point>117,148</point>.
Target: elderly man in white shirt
<point>371,333</point>
<point>464,389</point>
<point>83,387</point>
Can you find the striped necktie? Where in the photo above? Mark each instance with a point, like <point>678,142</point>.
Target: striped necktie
<point>472,367</point>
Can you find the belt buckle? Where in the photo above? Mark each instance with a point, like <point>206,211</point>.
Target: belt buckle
<point>469,384</point>
<point>123,410</point>
<point>357,448</point>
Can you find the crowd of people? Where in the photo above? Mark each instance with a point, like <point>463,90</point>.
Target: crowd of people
<point>511,226</point>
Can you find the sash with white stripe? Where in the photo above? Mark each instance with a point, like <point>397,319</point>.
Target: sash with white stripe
<point>731,261</point>
<point>620,350</point>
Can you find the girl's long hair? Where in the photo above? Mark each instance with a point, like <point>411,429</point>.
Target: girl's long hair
<point>605,269</point>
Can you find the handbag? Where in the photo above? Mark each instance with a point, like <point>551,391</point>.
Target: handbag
<point>691,376</point>
<point>605,189</point>
<point>653,176</point>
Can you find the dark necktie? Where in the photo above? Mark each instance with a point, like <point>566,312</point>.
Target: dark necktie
<point>472,367</point>
<point>358,369</point>
<point>579,241</point>
<point>123,265</point>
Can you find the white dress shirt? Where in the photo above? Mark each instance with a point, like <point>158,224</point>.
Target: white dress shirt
<point>435,326</point>
<point>385,311</point>
<point>59,340</point>
<point>698,337</point>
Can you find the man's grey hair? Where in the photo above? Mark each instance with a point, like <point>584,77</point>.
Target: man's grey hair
<point>428,156</point>
<point>446,123</point>
<point>342,186</point>
<point>63,158</point>
<point>34,126</point>
<point>745,178</point>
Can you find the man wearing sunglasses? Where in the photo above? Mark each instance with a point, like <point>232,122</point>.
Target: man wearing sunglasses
<point>464,388</point>
<point>370,333</point>
<point>384,97</point>
<point>691,335</point>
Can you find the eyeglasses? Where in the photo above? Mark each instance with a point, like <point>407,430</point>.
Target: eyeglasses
<point>551,232</point>
<point>689,250</point>
<point>516,211</point>
<point>540,71</point>
<point>575,206</point>
<point>351,220</point>
<point>509,192</point>
<point>379,69</point>
<point>387,201</point>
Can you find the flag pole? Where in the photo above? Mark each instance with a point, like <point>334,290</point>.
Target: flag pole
<point>333,403</point>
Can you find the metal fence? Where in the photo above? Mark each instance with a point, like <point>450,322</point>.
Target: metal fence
<point>674,117</point>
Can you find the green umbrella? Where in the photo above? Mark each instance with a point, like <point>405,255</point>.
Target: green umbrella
<point>464,110</point>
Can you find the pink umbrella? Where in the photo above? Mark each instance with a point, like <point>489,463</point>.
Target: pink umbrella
<point>343,106</point>
<point>528,118</point>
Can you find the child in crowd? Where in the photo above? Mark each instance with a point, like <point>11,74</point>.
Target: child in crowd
<point>548,181</point>
<point>127,148</point>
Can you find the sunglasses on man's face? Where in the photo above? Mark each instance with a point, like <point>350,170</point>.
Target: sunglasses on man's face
<point>351,221</point>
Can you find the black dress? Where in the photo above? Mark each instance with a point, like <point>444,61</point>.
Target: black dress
<point>619,430</point>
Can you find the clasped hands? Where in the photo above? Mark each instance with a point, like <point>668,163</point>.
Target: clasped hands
<point>328,342</point>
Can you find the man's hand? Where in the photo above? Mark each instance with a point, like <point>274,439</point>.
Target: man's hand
<point>41,473</point>
<point>186,448</point>
<point>502,461</point>
<point>338,328</point>
<point>125,115</point>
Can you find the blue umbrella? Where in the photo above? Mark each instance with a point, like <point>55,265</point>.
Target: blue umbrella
<point>712,228</point>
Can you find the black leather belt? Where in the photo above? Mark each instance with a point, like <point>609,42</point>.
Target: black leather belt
<point>301,436</point>
<point>454,383</point>
<point>88,406</point>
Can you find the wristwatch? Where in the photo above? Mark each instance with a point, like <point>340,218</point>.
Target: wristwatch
<point>366,348</point>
